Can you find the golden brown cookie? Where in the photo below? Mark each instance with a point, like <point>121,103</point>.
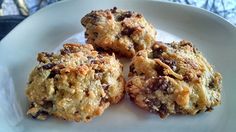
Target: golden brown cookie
<point>123,32</point>
<point>77,84</point>
<point>173,79</point>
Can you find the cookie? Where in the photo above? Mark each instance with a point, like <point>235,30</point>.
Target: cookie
<point>77,84</point>
<point>173,78</point>
<point>120,31</point>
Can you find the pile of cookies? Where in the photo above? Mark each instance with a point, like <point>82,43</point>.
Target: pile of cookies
<point>81,81</point>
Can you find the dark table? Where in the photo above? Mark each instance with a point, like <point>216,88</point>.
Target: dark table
<point>7,23</point>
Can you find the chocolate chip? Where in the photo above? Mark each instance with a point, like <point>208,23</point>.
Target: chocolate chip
<point>83,24</point>
<point>105,86</point>
<point>89,57</point>
<point>103,100</point>
<point>187,78</point>
<point>47,104</point>
<point>129,84</point>
<point>95,34</point>
<point>30,81</point>
<point>160,70</point>
<point>94,61</point>
<point>53,73</point>
<point>199,75</point>
<point>35,116</point>
<point>99,49</point>
<point>138,15</point>
<point>118,36</point>
<point>123,24</point>
<point>86,92</point>
<point>70,84</point>
<point>158,48</point>
<point>152,103</point>
<point>131,97</point>
<point>65,51</point>
<point>69,49</point>
<point>171,63</point>
<point>88,117</point>
<point>163,111</point>
<point>93,15</point>
<point>157,52</point>
<point>209,109</point>
<point>48,66</point>
<point>199,111</point>
<point>93,39</point>
<point>132,68</point>
<point>40,113</point>
<point>155,106</point>
<point>86,35</point>
<point>98,70</point>
<point>159,83</point>
<point>185,44</point>
<point>195,50</point>
<point>177,108</point>
<point>136,46</point>
<point>31,105</point>
<point>127,31</point>
<point>113,10</point>
<point>126,14</point>
<point>48,54</point>
<point>211,84</point>
<point>190,63</point>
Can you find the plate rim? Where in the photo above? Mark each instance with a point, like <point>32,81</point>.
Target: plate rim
<point>225,21</point>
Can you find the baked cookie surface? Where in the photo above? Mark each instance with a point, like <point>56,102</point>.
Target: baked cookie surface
<point>77,84</point>
<point>123,32</point>
<point>173,79</point>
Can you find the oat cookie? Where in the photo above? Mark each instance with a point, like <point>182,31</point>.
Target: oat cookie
<point>77,84</point>
<point>123,32</point>
<point>173,79</point>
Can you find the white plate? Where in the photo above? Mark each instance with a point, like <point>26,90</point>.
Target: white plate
<point>49,27</point>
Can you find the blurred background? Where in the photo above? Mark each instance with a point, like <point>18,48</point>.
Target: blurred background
<point>12,12</point>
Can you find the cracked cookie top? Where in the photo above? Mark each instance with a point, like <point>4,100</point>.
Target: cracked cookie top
<point>77,84</point>
<point>173,78</point>
<point>120,31</point>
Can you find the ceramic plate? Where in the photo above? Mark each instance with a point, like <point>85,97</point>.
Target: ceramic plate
<point>51,26</point>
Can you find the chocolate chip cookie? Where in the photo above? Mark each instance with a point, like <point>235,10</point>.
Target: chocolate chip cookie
<point>173,78</point>
<point>120,31</point>
<point>77,84</point>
